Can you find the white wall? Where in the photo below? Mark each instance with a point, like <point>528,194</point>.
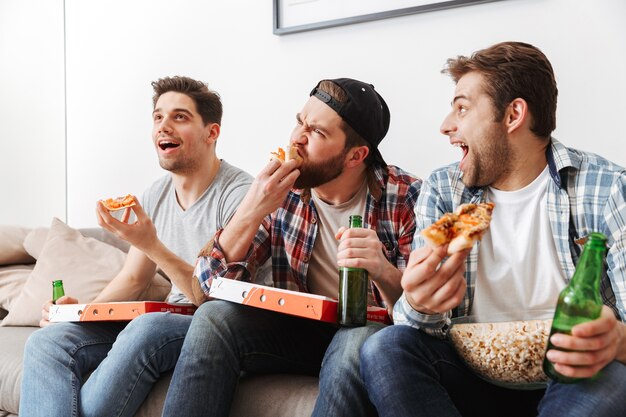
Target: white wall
<point>32,112</point>
<point>115,48</point>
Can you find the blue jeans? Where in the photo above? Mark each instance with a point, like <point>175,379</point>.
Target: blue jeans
<point>126,361</point>
<point>409,373</point>
<point>226,339</point>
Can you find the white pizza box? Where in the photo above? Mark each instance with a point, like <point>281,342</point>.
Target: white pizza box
<point>116,311</point>
<point>311,306</point>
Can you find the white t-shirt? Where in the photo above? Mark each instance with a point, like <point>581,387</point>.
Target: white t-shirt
<point>323,272</point>
<point>518,267</point>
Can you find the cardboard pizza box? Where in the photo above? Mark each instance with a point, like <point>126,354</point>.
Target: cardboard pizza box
<point>118,311</point>
<point>310,306</point>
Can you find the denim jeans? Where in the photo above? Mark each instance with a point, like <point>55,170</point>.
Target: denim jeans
<point>409,373</point>
<point>126,361</point>
<point>226,339</point>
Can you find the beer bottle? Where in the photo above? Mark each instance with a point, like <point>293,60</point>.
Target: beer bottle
<point>352,309</point>
<point>580,301</point>
<point>57,290</point>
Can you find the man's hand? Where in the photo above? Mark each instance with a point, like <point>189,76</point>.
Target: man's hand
<point>269,188</point>
<point>141,234</point>
<point>45,310</point>
<point>430,286</point>
<point>266,194</point>
<point>591,346</point>
<point>361,248</point>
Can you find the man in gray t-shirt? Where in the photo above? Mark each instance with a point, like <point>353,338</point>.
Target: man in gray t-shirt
<point>177,216</point>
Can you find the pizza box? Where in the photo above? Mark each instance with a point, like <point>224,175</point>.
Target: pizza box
<point>118,311</point>
<point>310,306</point>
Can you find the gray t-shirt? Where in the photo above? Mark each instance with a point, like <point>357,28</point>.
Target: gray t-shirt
<point>185,232</point>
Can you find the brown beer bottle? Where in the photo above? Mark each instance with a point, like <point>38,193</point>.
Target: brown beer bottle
<point>580,301</point>
<point>352,308</point>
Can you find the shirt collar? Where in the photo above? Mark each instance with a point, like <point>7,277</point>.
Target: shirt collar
<point>559,160</point>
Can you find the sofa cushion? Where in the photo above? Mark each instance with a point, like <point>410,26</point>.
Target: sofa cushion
<point>85,265</point>
<point>11,245</point>
<point>11,365</point>
<point>275,395</point>
<point>12,280</point>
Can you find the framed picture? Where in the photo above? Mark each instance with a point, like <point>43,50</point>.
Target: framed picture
<point>291,16</point>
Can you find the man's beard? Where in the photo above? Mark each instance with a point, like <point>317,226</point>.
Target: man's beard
<point>314,174</point>
<point>490,160</point>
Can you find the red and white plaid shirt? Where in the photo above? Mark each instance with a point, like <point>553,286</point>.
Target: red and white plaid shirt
<point>288,234</point>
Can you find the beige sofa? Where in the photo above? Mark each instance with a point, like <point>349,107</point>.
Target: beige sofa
<point>27,258</point>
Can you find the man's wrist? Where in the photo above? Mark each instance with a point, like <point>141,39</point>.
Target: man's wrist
<point>420,308</point>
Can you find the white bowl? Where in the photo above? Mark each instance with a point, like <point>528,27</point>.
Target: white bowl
<point>508,350</point>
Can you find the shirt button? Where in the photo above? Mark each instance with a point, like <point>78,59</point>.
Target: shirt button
<point>305,259</point>
<point>313,220</point>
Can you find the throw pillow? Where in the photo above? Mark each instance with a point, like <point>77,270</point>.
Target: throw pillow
<point>85,265</point>
<point>12,280</point>
<point>11,249</point>
<point>34,241</point>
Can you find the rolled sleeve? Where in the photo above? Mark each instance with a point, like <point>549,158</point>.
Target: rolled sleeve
<point>212,262</point>
<point>436,325</point>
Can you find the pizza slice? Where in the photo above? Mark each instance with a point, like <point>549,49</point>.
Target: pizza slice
<point>461,229</point>
<point>113,204</point>
<point>282,156</point>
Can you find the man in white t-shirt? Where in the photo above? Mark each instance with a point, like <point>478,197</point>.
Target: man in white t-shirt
<point>178,214</point>
<point>546,197</point>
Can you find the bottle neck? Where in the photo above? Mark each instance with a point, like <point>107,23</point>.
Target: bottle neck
<point>590,266</point>
<point>356,221</point>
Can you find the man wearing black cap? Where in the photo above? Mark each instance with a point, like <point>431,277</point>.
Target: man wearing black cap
<point>294,213</point>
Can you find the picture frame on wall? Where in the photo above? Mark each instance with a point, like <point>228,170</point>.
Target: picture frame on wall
<point>293,16</point>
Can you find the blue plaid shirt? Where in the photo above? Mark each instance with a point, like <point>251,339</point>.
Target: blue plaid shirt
<point>587,194</point>
<point>288,234</point>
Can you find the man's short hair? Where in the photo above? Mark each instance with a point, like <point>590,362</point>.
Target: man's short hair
<point>514,70</point>
<point>208,103</point>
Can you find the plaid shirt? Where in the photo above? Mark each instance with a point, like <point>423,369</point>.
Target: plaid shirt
<point>288,234</point>
<point>587,194</point>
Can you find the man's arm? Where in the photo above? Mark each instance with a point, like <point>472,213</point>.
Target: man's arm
<point>146,253</point>
<point>127,285</point>
<point>430,290</point>
<point>266,194</point>
<point>243,244</point>
<point>132,279</point>
<point>594,344</point>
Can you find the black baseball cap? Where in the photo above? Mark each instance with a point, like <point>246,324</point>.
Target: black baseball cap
<point>365,111</point>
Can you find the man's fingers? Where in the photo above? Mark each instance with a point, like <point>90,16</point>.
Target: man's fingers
<point>289,180</point>
<point>126,215</point>
<point>418,255</point>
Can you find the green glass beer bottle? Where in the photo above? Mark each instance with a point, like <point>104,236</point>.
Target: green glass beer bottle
<point>352,309</point>
<point>580,301</point>
<point>57,290</point>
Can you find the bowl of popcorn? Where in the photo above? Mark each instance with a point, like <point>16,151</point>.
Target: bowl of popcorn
<point>508,350</point>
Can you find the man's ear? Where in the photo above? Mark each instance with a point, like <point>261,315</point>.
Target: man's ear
<point>213,132</point>
<point>516,114</point>
<point>356,156</point>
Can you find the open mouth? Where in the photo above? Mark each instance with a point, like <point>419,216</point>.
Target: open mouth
<point>463,147</point>
<point>167,144</point>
